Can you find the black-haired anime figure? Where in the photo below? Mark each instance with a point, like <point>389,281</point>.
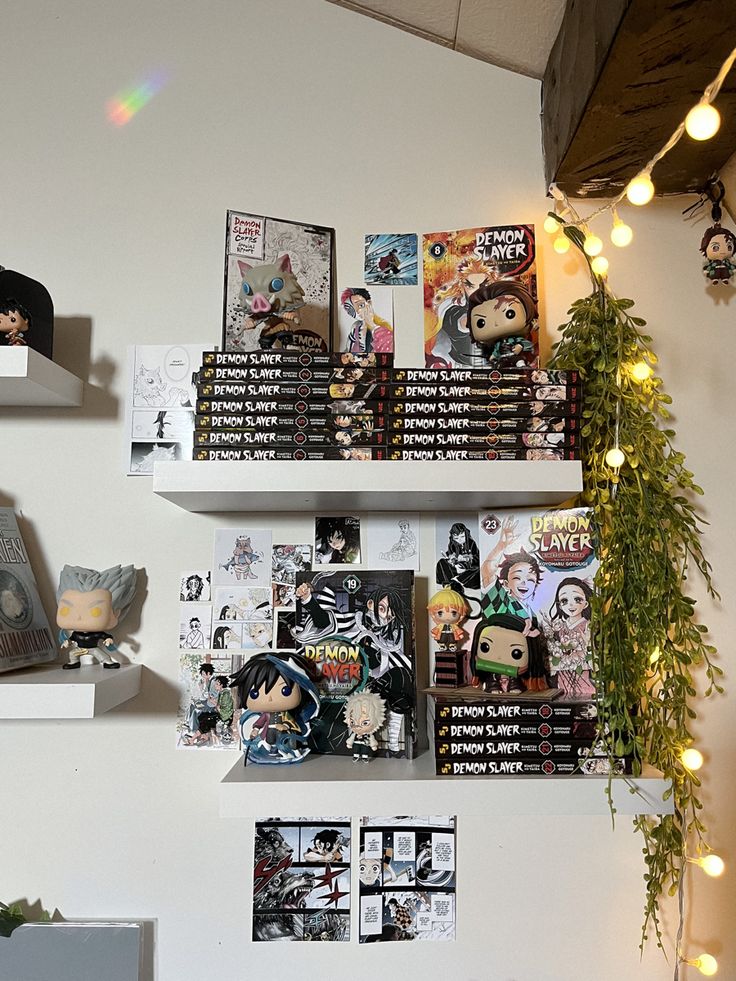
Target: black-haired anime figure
<point>504,659</point>
<point>279,698</point>
<point>15,320</point>
<point>500,319</point>
<point>567,631</point>
<point>460,562</point>
<point>718,246</point>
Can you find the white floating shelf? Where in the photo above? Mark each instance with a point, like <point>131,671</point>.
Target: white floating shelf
<point>368,485</point>
<point>411,787</point>
<point>47,691</point>
<point>28,378</point>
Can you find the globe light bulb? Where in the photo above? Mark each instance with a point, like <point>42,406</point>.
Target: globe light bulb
<point>599,265</point>
<point>702,121</point>
<point>640,190</point>
<point>615,458</point>
<point>621,234</point>
<point>712,865</point>
<point>550,225</point>
<point>561,244</point>
<point>592,245</point>
<point>706,964</point>
<point>641,371</point>
<point>692,759</point>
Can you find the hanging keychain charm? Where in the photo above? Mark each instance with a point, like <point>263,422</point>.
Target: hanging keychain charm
<point>718,244</point>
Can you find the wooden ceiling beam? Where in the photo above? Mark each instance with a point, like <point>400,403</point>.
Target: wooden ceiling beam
<point>621,76</point>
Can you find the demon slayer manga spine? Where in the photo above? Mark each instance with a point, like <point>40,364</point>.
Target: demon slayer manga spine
<point>511,392</point>
<point>357,629</point>
<point>296,373</point>
<point>235,359</point>
<point>231,395</point>
<point>281,391</point>
<point>298,437</point>
<point>529,731</point>
<point>287,419</point>
<point>522,424</point>
<point>435,408</point>
<point>289,453</point>
<point>507,766</point>
<point>25,636</point>
<point>491,748</point>
<point>518,440</point>
<point>491,454</point>
<point>464,376</point>
<point>487,709</point>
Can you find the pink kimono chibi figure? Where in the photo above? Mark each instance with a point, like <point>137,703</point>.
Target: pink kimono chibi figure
<point>90,604</point>
<point>15,320</point>
<point>567,631</point>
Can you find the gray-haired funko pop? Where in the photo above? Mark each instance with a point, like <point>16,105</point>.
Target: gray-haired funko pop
<point>90,603</point>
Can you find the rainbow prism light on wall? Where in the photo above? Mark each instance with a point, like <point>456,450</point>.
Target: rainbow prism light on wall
<point>121,109</point>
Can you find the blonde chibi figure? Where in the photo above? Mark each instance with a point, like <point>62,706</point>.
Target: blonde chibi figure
<point>449,610</point>
<point>90,604</point>
<point>364,714</point>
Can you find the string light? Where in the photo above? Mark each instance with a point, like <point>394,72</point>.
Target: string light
<point>599,265</point>
<point>615,457</point>
<point>692,759</point>
<point>640,190</point>
<point>592,245</point>
<point>712,865</point>
<point>705,963</point>
<point>561,244</point>
<point>702,121</point>
<point>621,233</point>
<point>551,225</point>
<point>641,371</point>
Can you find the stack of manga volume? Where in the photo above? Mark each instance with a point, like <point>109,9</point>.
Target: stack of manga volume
<point>476,736</point>
<point>481,414</point>
<point>280,405</point>
<point>290,405</point>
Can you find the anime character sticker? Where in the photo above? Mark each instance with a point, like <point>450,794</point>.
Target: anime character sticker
<point>459,562</point>
<point>366,321</point>
<point>337,541</point>
<point>391,260</point>
<point>242,557</point>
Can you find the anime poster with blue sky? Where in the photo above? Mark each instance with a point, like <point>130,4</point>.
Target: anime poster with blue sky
<point>391,260</point>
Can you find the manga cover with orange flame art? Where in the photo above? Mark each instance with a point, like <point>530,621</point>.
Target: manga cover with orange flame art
<point>491,273</point>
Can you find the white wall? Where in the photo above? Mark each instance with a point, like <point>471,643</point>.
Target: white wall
<point>300,109</point>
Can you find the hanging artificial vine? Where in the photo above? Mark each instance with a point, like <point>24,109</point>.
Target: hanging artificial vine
<point>646,641</point>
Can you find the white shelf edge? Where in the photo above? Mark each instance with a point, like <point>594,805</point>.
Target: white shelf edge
<point>370,485</point>
<point>27,378</point>
<point>411,787</point>
<point>47,691</point>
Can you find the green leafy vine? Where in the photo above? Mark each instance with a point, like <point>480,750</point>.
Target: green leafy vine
<point>646,639</point>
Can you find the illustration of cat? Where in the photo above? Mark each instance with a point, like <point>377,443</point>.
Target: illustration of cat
<point>150,387</point>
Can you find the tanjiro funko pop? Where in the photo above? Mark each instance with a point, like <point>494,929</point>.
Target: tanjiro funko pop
<point>91,603</point>
<point>364,716</point>
<point>500,320</point>
<point>279,698</point>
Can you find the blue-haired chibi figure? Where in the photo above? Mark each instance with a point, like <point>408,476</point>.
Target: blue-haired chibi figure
<point>91,603</point>
<point>279,699</point>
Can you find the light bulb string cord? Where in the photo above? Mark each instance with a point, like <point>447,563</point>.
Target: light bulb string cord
<point>681,923</point>
<point>708,96</point>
